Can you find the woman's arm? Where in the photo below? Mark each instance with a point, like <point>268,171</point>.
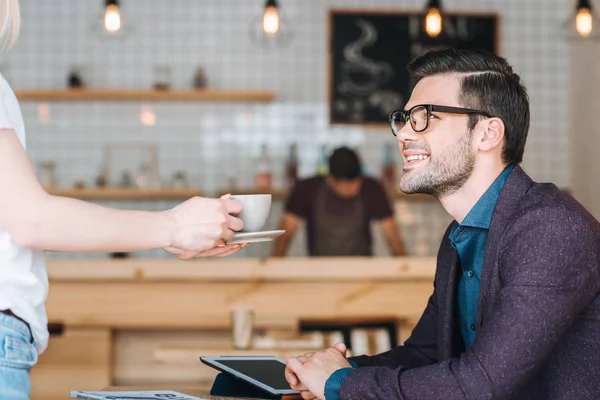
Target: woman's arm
<point>36,219</point>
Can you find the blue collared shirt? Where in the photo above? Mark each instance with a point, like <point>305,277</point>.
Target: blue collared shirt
<point>334,382</point>
<point>469,238</point>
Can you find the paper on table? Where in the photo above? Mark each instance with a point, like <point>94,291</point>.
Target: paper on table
<point>131,395</point>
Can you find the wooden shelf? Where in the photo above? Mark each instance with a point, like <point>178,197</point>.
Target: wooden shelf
<point>142,95</point>
<point>127,193</point>
<point>282,194</point>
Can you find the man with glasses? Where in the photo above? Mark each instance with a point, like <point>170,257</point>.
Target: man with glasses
<point>515,309</point>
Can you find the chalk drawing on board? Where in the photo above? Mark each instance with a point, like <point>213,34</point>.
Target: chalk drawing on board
<point>362,78</point>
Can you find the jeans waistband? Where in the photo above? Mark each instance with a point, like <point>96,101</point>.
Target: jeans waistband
<point>13,322</point>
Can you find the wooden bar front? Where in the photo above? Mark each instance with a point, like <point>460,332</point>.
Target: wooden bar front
<point>141,321</point>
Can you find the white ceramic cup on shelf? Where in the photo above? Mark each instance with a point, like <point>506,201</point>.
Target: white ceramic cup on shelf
<point>255,210</point>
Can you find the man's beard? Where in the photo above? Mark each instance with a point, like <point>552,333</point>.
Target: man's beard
<point>445,173</point>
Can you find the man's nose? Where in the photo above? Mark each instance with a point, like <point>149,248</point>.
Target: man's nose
<point>407,134</point>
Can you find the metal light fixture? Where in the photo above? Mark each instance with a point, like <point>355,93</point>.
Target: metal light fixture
<point>112,17</point>
<point>109,23</point>
<point>433,19</point>
<point>583,23</point>
<point>271,29</point>
<point>271,18</point>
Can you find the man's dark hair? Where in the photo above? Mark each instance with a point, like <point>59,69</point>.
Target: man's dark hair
<point>344,164</point>
<point>489,84</point>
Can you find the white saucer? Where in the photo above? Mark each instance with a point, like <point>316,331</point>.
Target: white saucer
<point>255,237</point>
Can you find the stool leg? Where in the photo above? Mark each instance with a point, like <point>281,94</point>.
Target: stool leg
<point>393,332</point>
<point>347,338</point>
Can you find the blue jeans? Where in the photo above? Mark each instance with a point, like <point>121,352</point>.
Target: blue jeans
<point>17,356</point>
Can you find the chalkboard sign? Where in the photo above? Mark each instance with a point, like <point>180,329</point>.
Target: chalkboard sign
<point>370,50</point>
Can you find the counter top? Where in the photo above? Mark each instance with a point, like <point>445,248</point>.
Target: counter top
<point>174,294</point>
<point>282,194</point>
<point>252,269</point>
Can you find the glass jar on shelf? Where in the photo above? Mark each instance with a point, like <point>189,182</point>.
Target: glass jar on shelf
<point>47,174</point>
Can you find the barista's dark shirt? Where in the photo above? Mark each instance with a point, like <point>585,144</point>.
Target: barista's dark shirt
<point>302,202</point>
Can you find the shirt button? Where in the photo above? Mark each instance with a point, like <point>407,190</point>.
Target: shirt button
<point>473,327</point>
<point>470,273</point>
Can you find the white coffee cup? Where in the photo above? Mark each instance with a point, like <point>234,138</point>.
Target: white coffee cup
<point>255,210</point>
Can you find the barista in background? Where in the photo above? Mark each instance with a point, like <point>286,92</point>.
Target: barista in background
<point>338,210</point>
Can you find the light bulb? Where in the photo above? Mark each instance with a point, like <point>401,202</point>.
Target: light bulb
<point>43,112</point>
<point>583,22</point>
<point>433,22</point>
<point>270,28</point>
<point>147,117</point>
<point>112,19</point>
<point>271,20</point>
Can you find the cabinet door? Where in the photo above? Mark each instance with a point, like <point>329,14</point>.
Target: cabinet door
<point>76,358</point>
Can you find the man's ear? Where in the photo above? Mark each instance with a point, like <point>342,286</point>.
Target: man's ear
<point>493,133</point>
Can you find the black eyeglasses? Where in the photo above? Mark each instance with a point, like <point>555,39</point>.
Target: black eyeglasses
<point>420,115</point>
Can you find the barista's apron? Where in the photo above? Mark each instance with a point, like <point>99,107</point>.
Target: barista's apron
<point>340,235</point>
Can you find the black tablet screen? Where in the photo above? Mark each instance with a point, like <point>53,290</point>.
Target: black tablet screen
<point>269,372</point>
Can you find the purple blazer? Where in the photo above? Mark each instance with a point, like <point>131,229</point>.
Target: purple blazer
<point>538,328</point>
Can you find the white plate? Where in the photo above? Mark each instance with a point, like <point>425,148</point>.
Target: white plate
<point>254,237</point>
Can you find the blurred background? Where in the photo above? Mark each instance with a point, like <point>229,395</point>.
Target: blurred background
<point>140,104</point>
<point>221,145</point>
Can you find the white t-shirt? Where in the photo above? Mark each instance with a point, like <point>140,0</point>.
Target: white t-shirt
<point>23,276</point>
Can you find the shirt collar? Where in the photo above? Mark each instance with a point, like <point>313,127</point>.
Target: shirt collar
<point>480,215</point>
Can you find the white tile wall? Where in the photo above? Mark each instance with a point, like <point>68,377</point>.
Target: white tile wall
<point>585,134</point>
<point>214,142</point>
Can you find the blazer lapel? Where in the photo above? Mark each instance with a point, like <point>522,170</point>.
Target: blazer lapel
<point>511,196</point>
<point>447,309</point>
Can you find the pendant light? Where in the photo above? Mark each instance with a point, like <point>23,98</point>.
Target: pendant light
<point>271,18</point>
<point>583,23</point>
<point>433,19</point>
<point>112,17</point>
<point>271,28</point>
<point>109,24</point>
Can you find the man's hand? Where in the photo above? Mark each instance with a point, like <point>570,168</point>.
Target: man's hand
<point>309,372</point>
<point>203,226</point>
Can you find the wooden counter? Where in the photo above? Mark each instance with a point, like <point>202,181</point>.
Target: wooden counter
<point>137,313</point>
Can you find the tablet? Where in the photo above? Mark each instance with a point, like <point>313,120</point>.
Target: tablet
<point>266,373</point>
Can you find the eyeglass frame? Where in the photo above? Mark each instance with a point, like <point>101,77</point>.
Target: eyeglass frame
<point>433,108</point>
